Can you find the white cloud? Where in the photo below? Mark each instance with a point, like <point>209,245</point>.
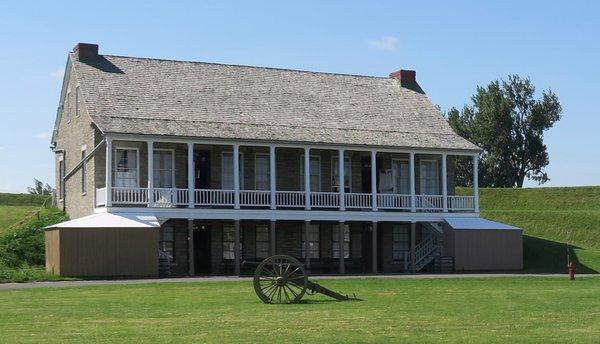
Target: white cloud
<point>384,43</point>
<point>58,73</point>
<point>43,135</point>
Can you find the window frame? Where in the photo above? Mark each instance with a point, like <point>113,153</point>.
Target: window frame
<point>268,156</point>
<point>61,178</point>
<point>422,188</point>
<point>347,188</point>
<point>154,170</point>
<point>262,242</point>
<point>232,242</point>
<point>397,254</point>
<point>66,105</point>
<point>318,241</point>
<point>302,186</point>
<point>241,170</point>
<point>83,171</point>
<point>115,156</point>
<point>401,161</point>
<point>336,229</point>
<point>77,99</point>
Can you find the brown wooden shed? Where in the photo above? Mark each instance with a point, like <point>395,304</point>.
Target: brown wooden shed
<point>478,244</point>
<point>103,245</point>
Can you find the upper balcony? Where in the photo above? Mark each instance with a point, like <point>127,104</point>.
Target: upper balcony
<point>187,174</point>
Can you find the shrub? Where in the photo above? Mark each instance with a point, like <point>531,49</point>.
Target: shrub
<point>24,244</point>
<point>25,273</point>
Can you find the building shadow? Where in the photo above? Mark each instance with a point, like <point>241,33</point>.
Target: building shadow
<point>547,256</point>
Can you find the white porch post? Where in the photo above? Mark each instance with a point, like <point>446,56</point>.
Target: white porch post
<point>444,182</point>
<point>374,180</point>
<point>413,198</point>
<point>236,176</point>
<point>307,178</point>
<point>109,159</point>
<point>374,253</point>
<point>272,237</point>
<point>191,270</point>
<point>341,180</point>
<point>272,176</point>
<point>236,248</point>
<point>190,175</point>
<point>150,173</point>
<point>476,183</point>
<point>413,231</point>
<point>307,244</point>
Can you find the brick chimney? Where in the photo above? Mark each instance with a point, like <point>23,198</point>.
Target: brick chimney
<point>407,79</point>
<point>86,51</point>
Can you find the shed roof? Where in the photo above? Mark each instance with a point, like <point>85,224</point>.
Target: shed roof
<point>131,95</point>
<point>108,220</point>
<point>476,223</point>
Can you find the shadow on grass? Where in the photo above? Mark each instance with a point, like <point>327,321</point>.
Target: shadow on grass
<point>541,255</point>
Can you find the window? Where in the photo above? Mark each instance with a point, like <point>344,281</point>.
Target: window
<point>61,178</point>
<point>401,176</point>
<point>126,167</point>
<point>67,108</point>
<point>262,241</point>
<point>77,101</point>
<point>167,242</point>
<point>335,174</point>
<point>164,176</point>
<point>313,241</point>
<point>399,242</point>
<point>227,171</point>
<point>336,241</point>
<point>315,173</point>
<point>83,172</point>
<point>262,176</point>
<point>229,242</point>
<point>429,177</point>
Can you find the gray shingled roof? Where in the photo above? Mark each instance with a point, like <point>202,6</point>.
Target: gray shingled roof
<point>194,99</point>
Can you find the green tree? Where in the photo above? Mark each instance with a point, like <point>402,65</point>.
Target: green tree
<point>39,188</point>
<point>508,123</point>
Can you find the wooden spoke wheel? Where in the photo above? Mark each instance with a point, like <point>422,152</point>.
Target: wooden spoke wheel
<point>280,279</point>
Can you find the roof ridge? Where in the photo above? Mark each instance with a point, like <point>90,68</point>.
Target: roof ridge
<point>250,66</point>
<point>273,125</point>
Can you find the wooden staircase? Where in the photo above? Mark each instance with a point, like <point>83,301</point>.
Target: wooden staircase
<point>427,250</point>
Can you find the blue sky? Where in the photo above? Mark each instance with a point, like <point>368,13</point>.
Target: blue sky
<point>453,46</point>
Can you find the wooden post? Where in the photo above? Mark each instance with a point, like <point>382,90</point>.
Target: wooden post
<point>272,237</point>
<point>236,176</point>
<point>190,175</point>
<point>273,176</point>
<point>191,267</point>
<point>413,230</point>
<point>151,173</point>
<point>109,159</point>
<point>236,247</point>
<point>341,232</point>
<point>307,244</point>
<point>374,180</point>
<point>374,246</point>
<point>413,198</point>
<point>307,178</point>
<point>444,183</point>
<point>341,178</point>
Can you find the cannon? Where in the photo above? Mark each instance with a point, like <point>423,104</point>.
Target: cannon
<point>282,279</point>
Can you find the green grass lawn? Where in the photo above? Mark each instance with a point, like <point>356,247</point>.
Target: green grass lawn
<point>486,310</point>
<point>15,208</point>
<point>550,218</point>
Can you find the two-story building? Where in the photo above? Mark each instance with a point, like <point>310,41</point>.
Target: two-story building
<point>209,165</point>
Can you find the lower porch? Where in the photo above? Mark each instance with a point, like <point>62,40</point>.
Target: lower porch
<point>197,247</point>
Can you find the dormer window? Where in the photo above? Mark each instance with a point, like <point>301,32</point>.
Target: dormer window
<point>67,108</point>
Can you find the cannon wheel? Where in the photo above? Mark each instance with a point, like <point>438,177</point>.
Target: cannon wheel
<point>280,279</point>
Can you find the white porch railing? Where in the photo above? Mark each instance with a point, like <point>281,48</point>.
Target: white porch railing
<point>179,197</point>
<point>100,197</point>
<point>129,195</point>
<point>358,200</point>
<point>423,251</point>
<point>216,197</point>
<point>255,198</point>
<point>393,201</point>
<point>169,197</point>
<point>461,203</point>
<point>290,199</point>
<point>429,202</point>
<point>324,199</point>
